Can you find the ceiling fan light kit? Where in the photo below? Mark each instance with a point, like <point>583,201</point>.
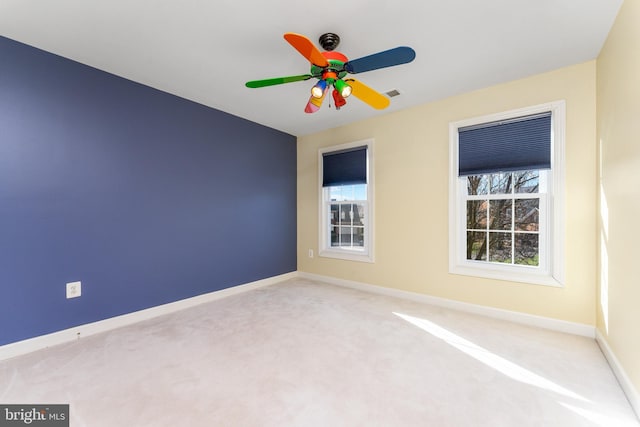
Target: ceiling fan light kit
<point>331,67</point>
<point>318,90</point>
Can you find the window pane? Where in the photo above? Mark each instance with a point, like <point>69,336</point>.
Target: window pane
<point>334,237</point>
<point>360,192</point>
<point>333,215</point>
<point>341,193</point>
<point>527,214</point>
<point>526,181</point>
<point>477,245</point>
<point>477,214</point>
<point>345,214</point>
<point>500,247</point>
<point>335,193</point>
<point>500,214</point>
<point>345,236</point>
<point>358,214</point>
<point>501,183</point>
<point>358,236</point>
<point>477,184</point>
<point>347,192</point>
<point>527,250</point>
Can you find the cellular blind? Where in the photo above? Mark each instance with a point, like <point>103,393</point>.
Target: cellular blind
<point>516,144</point>
<point>344,167</point>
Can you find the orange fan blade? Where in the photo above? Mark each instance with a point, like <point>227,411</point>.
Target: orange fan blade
<point>306,49</point>
<point>365,94</point>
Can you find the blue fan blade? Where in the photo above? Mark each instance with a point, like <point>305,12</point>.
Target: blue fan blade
<point>388,58</point>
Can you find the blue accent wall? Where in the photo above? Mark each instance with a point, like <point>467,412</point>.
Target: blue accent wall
<point>145,197</point>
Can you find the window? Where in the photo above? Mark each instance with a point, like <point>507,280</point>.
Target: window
<point>346,198</point>
<point>503,217</point>
<point>506,196</point>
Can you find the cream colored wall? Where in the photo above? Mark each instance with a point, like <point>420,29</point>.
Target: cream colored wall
<point>618,89</point>
<point>411,198</point>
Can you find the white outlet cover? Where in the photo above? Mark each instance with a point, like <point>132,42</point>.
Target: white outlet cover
<point>74,289</point>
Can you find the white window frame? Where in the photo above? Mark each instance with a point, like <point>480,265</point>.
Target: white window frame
<point>551,270</point>
<point>325,249</point>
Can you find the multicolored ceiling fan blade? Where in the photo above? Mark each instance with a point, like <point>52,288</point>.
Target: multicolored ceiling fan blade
<point>314,103</point>
<point>387,58</point>
<point>368,95</point>
<point>277,81</point>
<point>306,49</point>
<point>310,107</point>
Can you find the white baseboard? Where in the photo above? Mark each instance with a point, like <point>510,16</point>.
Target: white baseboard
<point>512,316</point>
<point>67,335</point>
<point>619,372</point>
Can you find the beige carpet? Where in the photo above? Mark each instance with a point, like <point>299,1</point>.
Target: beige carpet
<point>302,353</point>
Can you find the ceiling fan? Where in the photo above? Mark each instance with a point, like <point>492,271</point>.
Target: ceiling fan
<point>331,68</point>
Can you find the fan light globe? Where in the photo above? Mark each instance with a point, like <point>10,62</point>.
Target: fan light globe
<point>343,88</point>
<point>318,90</point>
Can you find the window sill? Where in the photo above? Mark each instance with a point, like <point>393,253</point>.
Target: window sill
<point>346,255</point>
<point>510,274</point>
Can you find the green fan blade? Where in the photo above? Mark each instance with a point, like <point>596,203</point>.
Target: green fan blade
<point>277,81</point>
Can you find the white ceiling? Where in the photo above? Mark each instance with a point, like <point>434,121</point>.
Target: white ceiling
<point>206,50</point>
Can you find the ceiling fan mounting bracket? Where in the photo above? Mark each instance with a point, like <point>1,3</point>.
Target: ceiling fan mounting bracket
<point>329,41</point>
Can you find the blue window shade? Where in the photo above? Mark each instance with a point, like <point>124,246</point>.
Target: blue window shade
<point>344,167</point>
<point>517,144</point>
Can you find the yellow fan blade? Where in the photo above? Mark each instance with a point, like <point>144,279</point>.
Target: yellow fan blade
<point>368,95</point>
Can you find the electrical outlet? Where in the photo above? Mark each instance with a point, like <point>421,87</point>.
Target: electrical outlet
<point>310,253</point>
<point>74,289</point>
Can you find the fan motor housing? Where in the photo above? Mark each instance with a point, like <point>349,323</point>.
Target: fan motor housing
<point>336,62</point>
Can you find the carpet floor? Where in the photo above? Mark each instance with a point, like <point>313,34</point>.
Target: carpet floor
<point>305,353</point>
